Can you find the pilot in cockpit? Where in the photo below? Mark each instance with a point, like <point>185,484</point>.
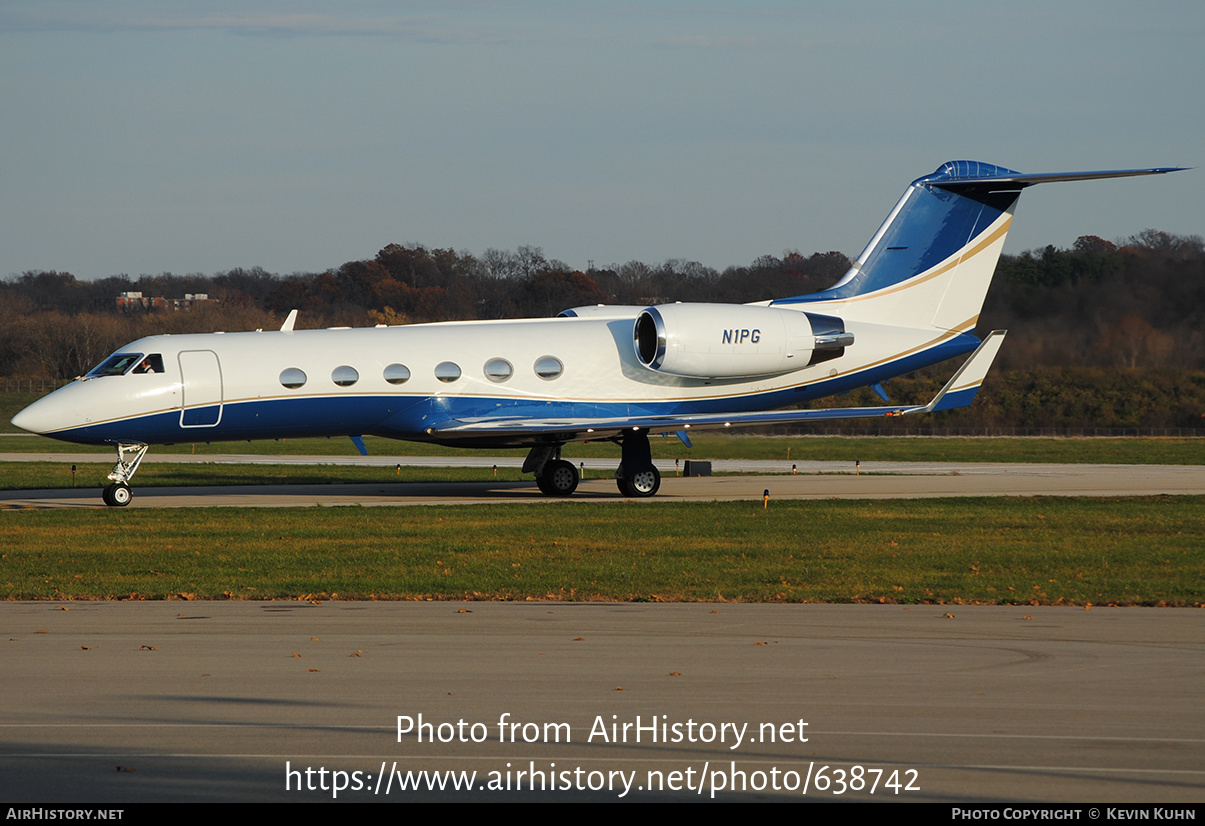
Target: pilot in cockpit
<point>151,364</point>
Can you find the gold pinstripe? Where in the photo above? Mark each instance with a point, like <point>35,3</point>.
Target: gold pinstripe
<point>1000,232</point>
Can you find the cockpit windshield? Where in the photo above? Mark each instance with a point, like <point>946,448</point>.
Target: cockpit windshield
<point>122,363</point>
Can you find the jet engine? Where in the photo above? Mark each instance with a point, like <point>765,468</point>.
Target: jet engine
<point>705,341</point>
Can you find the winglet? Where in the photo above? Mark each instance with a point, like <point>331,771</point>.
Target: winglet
<point>960,390</point>
<point>287,327</point>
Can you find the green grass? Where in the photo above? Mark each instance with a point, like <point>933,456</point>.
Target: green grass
<point>1138,551</point>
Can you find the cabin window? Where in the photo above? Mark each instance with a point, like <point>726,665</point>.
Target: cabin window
<point>345,376</point>
<point>292,378</point>
<point>549,367</point>
<point>447,371</point>
<point>499,370</point>
<point>115,365</point>
<point>397,374</point>
<point>151,364</point>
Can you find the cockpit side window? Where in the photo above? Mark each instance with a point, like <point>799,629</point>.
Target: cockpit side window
<point>118,365</point>
<point>151,364</point>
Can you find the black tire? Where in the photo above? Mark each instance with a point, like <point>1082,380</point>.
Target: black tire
<point>640,485</point>
<point>119,495</point>
<point>559,478</point>
<point>106,495</point>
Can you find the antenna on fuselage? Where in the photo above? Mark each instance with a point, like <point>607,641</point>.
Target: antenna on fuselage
<point>287,327</point>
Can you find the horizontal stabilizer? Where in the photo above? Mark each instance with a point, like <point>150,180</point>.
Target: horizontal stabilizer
<point>957,175</point>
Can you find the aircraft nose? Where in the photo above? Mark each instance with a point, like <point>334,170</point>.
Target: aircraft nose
<point>31,419</point>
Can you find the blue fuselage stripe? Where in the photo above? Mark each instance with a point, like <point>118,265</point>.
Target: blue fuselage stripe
<point>410,417</point>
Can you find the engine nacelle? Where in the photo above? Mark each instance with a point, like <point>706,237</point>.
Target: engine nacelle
<point>707,341</point>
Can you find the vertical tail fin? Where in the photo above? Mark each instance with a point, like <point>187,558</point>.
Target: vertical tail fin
<point>932,260</point>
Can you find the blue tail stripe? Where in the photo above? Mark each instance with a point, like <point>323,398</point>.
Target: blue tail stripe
<point>932,225</point>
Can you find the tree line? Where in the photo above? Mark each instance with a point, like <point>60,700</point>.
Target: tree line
<point>1103,333</point>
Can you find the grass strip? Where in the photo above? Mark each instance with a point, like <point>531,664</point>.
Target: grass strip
<point>1136,551</point>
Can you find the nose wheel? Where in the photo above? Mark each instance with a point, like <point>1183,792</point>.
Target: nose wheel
<point>117,495</point>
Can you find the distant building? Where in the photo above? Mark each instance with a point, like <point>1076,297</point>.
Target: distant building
<point>132,302</point>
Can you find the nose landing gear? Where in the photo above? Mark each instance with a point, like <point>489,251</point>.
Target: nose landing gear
<point>118,494</point>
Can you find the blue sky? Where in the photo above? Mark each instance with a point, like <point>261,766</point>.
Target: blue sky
<point>143,137</point>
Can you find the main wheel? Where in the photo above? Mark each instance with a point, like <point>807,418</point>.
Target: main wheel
<point>640,485</point>
<point>117,495</point>
<point>559,478</point>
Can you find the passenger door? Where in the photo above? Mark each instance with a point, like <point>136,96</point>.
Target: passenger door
<point>201,395</point>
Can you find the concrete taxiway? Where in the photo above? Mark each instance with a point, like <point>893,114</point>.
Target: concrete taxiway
<point>813,480</point>
<point>179,701</point>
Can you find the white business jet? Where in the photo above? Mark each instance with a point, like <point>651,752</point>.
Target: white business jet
<point>600,373</point>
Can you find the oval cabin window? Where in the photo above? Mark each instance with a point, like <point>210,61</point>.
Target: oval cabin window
<point>446,371</point>
<point>345,376</point>
<point>499,370</point>
<point>549,367</point>
<point>292,378</point>
<point>397,374</point>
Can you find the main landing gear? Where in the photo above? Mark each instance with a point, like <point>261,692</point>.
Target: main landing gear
<point>639,485</point>
<point>554,476</point>
<point>118,494</point>
<point>636,476</point>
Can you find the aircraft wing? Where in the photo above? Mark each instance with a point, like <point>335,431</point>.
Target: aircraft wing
<point>959,391</point>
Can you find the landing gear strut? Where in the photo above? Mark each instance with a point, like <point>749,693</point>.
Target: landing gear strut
<point>636,475</point>
<point>118,494</point>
